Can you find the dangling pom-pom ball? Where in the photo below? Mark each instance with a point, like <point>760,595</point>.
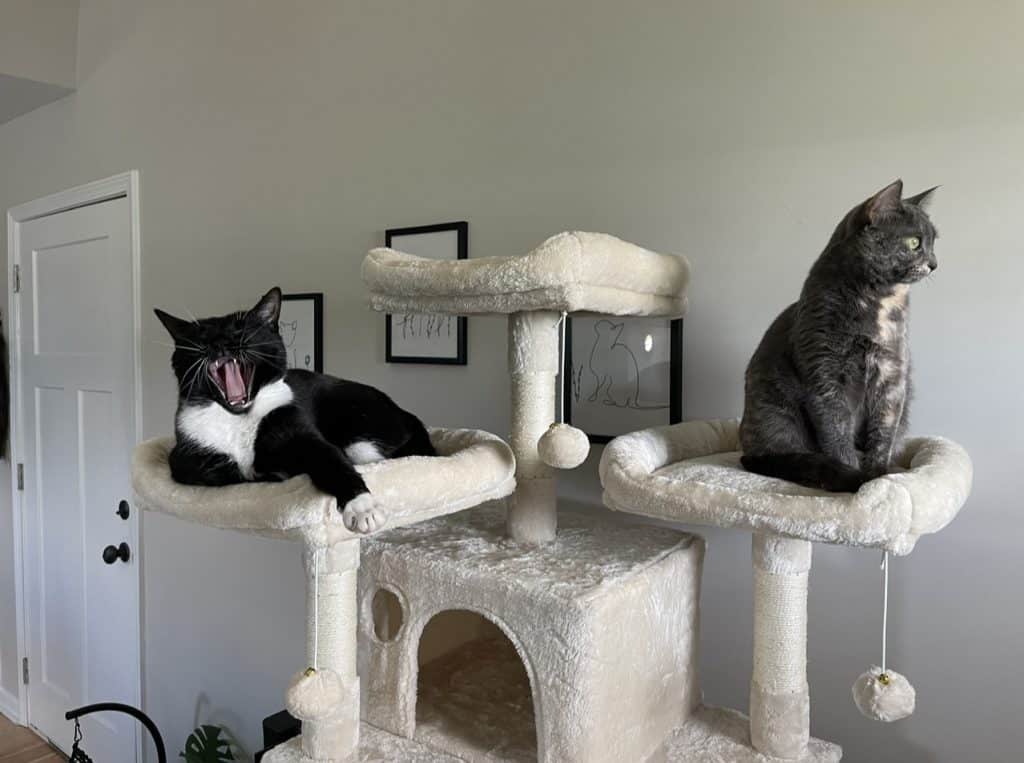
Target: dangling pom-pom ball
<point>884,696</point>
<point>314,694</point>
<point>563,446</point>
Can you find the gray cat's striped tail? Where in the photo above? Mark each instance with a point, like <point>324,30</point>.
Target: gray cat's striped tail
<point>810,469</point>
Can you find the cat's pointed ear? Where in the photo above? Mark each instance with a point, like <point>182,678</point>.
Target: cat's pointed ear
<point>923,199</point>
<point>176,327</point>
<point>884,203</point>
<point>268,309</point>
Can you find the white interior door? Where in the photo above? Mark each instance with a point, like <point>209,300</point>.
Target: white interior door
<point>76,430</point>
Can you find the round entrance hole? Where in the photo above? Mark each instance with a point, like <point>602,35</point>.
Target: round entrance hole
<point>387,615</point>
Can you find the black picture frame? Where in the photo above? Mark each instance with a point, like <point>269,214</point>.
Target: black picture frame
<point>462,324</point>
<point>675,407</point>
<point>316,300</point>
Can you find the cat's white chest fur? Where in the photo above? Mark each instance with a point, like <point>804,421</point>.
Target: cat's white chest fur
<point>233,434</point>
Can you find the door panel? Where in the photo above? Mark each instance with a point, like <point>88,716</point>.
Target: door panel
<point>77,424</point>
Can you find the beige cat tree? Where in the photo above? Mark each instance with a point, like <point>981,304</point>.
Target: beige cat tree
<point>603,615</point>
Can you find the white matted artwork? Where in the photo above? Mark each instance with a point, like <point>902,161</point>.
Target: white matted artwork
<point>301,325</point>
<point>622,374</point>
<point>428,338</point>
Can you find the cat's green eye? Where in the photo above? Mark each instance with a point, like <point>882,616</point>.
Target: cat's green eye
<point>912,243</point>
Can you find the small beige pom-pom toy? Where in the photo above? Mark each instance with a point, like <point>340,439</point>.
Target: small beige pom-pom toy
<point>884,696</point>
<point>314,694</point>
<point>563,446</point>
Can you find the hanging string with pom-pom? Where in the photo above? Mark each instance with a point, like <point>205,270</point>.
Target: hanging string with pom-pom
<point>315,694</point>
<point>563,446</point>
<point>882,694</point>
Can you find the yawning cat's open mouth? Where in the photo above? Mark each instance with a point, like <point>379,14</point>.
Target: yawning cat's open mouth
<point>233,380</point>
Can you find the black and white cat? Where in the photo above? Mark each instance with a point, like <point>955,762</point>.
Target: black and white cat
<point>244,416</point>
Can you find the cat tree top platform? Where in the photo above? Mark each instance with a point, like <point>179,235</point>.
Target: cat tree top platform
<point>571,272</point>
<point>691,473</point>
<point>472,467</point>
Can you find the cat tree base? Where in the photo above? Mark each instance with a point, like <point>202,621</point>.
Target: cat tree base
<point>722,735</point>
<point>375,746</point>
<point>604,620</point>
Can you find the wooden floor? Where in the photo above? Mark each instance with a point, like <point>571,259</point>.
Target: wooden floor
<point>21,745</point>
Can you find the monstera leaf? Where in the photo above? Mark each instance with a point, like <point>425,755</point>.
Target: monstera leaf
<point>206,745</point>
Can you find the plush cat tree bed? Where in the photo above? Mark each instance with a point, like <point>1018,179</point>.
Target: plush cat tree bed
<point>571,272</point>
<point>472,467</point>
<point>475,467</point>
<point>690,473</point>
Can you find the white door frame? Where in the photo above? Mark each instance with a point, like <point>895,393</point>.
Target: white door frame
<point>123,185</point>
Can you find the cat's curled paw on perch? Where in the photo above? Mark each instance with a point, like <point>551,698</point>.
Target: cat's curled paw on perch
<point>364,514</point>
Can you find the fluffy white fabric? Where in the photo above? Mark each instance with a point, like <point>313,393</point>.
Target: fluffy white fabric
<point>375,746</point>
<point>563,446</point>
<point>884,702</point>
<point>691,473</point>
<point>474,467</point>
<point>474,702</point>
<point>720,735</point>
<point>604,618</point>
<point>574,272</point>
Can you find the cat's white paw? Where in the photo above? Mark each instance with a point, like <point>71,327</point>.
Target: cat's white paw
<point>364,514</point>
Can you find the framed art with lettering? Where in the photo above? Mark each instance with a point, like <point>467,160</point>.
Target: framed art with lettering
<point>415,338</point>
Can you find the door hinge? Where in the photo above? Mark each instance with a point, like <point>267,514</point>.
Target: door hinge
<point>24,670</point>
<point>21,476</point>
<point>17,278</point>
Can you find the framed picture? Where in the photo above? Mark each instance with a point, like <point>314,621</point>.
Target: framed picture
<point>302,328</point>
<point>412,338</point>
<point>622,374</point>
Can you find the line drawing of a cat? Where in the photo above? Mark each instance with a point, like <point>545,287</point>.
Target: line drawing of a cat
<point>608,352</point>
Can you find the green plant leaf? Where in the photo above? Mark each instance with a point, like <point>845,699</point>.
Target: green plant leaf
<point>205,745</point>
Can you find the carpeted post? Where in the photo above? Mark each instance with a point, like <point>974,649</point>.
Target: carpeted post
<point>779,698</point>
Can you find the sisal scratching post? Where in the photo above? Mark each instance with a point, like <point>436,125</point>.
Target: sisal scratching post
<point>533,365</point>
<point>779,698</point>
<point>332,733</point>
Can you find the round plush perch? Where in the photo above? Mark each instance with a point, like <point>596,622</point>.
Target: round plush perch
<point>691,473</point>
<point>570,272</point>
<point>884,697</point>
<point>563,446</point>
<point>472,467</point>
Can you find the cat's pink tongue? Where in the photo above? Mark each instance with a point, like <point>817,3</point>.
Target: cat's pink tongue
<point>234,384</point>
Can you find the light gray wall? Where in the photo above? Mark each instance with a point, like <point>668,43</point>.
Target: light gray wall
<point>277,141</point>
<point>37,40</point>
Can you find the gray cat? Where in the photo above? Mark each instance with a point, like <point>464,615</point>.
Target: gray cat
<point>827,390</point>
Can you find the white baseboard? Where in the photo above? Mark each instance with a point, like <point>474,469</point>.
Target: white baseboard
<point>10,705</point>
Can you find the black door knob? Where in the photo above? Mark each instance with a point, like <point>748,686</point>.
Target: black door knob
<point>122,510</point>
<point>112,553</point>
